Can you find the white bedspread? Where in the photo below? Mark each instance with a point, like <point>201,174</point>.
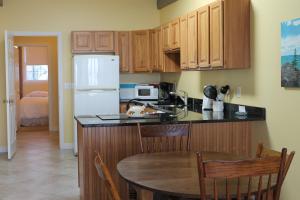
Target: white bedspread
<point>33,107</point>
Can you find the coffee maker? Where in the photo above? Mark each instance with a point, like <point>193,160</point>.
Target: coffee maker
<point>164,94</point>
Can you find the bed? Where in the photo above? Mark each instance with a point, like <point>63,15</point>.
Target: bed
<point>34,109</point>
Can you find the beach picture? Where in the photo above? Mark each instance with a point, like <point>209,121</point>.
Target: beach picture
<point>290,53</point>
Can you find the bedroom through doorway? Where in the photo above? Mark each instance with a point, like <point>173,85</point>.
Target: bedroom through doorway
<point>36,86</point>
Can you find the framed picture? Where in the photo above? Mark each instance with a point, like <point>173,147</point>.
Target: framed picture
<point>290,53</point>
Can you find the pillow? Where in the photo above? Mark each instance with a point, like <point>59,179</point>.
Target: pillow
<point>38,94</point>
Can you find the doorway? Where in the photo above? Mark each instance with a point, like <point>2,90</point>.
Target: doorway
<point>37,83</point>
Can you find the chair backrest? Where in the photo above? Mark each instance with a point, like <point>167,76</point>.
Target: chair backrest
<point>164,138</point>
<point>261,177</point>
<point>106,177</point>
<point>262,152</point>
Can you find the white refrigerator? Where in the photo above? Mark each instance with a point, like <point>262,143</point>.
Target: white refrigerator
<point>96,86</point>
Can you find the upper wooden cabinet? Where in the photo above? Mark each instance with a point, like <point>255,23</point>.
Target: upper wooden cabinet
<point>82,41</point>
<point>171,35</point>
<point>92,41</point>
<point>174,34</point>
<point>153,50</point>
<point>216,34</point>
<point>192,40</point>
<point>203,37</point>
<point>140,51</point>
<point>104,41</point>
<point>166,42</point>
<point>184,42</point>
<point>160,56</point>
<point>188,41</point>
<point>123,50</point>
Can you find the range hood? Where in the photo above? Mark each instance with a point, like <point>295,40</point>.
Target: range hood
<point>164,3</point>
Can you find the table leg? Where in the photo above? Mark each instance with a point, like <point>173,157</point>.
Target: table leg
<point>143,194</point>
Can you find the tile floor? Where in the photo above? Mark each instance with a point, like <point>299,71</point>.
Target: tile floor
<point>39,170</point>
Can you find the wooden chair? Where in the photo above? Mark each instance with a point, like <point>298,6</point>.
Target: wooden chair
<point>244,179</point>
<point>105,175</point>
<point>164,138</point>
<point>262,152</point>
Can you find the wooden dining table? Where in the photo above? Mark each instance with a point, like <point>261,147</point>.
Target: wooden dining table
<point>173,173</point>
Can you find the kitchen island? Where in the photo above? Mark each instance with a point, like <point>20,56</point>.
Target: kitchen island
<point>117,139</point>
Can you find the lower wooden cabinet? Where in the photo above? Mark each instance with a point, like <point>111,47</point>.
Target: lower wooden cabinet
<point>123,107</point>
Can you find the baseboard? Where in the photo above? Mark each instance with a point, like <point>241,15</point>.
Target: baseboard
<point>67,146</point>
<point>3,149</point>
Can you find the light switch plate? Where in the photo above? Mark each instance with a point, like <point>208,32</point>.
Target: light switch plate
<point>69,86</point>
<point>239,92</point>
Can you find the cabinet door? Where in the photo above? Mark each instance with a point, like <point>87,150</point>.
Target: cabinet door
<point>166,37</point>
<point>82,41</point>
<point>104,41</point>
<point>203,37</point>
<point>216,34</point>
<point>160,56</point>
<point>123,50</point>
<point>184,42</point>
<point>123,107</point>
<point>153,50</point>
<point>175,34</point>
<point>140,51</point>
<point>192,40</point>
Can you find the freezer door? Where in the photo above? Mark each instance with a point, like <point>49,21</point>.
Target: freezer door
<point>96,102</point>
<point>96,72</point>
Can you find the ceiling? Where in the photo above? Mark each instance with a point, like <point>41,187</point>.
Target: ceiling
<point>163,3</point>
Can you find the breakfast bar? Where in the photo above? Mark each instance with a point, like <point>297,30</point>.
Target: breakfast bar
<point>116,138</point>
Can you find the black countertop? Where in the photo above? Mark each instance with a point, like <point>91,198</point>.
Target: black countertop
<point>184,117</point>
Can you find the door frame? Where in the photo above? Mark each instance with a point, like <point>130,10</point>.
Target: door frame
<point>61,114</point>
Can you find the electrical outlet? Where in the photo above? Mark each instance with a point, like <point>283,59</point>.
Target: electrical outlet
<point>239,92</point>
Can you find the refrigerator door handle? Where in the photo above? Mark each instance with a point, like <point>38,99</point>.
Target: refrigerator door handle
<point>97,89</point>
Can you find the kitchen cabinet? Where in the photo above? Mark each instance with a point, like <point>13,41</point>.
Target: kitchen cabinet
<point>192,40</point>
<point>160,58</point>
<point>188,41</point>
<point>153,50</point>
<point>92,41</point>
<point>184,42</point>
<point>123,50</point>
<point>165,30</point>
<point>156,50</point>
<point>216,34</point>
<point>140,51</point>
<point>171,36</point>
<point>174,34</point>
<point>104,41</point>
<point>82,41</point>
<point>123,107</point>
<point>229,34</point>
<point>203,37</point>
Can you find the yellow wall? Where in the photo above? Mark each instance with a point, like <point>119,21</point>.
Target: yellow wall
<point>65,16</point>
<point>260,84</point>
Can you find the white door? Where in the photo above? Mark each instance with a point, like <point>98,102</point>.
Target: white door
<point>10,95</point>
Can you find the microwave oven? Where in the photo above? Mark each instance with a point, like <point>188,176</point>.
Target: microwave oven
<point>147,92</point>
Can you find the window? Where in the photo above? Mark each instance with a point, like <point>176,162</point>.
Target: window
<point>36,72</point>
